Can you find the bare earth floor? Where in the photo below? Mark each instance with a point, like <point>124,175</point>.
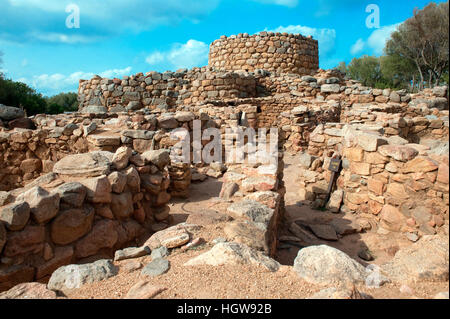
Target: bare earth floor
<point>242,281</point>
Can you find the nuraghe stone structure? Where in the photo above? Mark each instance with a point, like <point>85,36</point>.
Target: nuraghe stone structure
<point>73,186</point>
<point>274,52</point>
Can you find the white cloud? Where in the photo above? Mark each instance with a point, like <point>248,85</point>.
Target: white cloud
<point>357,47</point>
<point>376,41</point>
<point>45,20</point>
<point>326,37</point>
<point>191,54</point>
<point>56,83</point>
<point>286,3</point>
<point>155,58</point>
<point>62,38</point>
<point>378,38</point>
<point>116,72</point>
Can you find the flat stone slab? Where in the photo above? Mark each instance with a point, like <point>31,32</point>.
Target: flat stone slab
<point>171,237</point>
<point>324,231</point>
<point>207,217</point>
<point>131,252</point>
<point>139,134</point>
<point>104,140</point>
<point>91,164</point>
<point>74,276</point>
<point>156,267</point>
<point>233,253</point>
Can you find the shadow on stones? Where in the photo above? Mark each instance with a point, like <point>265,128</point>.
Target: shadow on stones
<point>309,227</point>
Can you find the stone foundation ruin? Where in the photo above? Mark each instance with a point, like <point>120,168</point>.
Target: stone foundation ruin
<point>99,180</point>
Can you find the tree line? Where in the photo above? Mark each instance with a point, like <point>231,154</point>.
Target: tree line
<point>415,57</point>
<point>20,95</point>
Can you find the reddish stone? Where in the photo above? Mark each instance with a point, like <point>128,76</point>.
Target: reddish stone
<point>14,275</point>
<point>443,173</point>
<point>355,154</point>
<point>103,235</point>
<point>63,256</point>
<point>392,219</point>
<point>420,164</point>
<point>139,215</point>
<point>375,207</point>
<point>360,168</point>
<point>375,186</point>
<point>24,122</point>
<point>29,240</point>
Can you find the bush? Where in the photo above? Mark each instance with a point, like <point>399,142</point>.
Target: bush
<point>20,95</point>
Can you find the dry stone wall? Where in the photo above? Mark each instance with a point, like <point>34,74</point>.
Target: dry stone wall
<point>164,90</point>
<point>91,203</point>
<point>403,186</point>
<point>276,52</point>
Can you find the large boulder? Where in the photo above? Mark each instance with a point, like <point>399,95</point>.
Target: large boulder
<point>8,113</point>
<point>71,225</point>
<point>72,194</point>
<point>75,276</point>
<point>122,205</point>
<point>102,235</point>
<point>85,165</point>
<point>27,241</point>
<point>325,265</point>
<point>159,158</point>
<point>44,205</point>
<point>98,189</point>
<point>424,261</point>
<point>15,216</point>
<point>121,157</point>
<point>246,233</point>
<point>233,253</point>
<point>24,122</point>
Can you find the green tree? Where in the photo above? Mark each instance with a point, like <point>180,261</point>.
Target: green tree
<point>63,102</point>
<point>342,66</point>
<point>423,40</point>
<point>398,72</point>
<point>22,96</point>
<point>365,69</point>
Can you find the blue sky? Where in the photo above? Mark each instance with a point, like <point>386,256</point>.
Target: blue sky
<point>118,37</point>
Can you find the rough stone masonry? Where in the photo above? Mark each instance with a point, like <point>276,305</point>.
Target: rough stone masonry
<point>100,179</point>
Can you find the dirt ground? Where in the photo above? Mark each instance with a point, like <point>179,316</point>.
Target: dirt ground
<point>242,282</point>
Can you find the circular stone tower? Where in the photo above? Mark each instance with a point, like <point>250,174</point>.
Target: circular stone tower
<point>275,52</point>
